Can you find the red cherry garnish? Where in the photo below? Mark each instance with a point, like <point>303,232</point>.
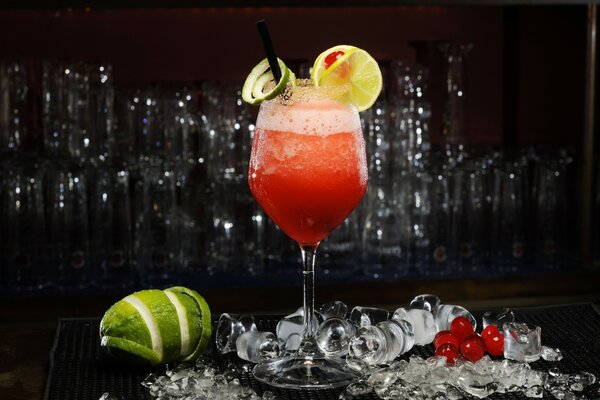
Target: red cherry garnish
<point>332,57</point>
<point>443,337</point>
<point>489,330</point>
<point>461,328</point>
<point>449,351</point>
<point>473,348</point>
<point>494,343</point>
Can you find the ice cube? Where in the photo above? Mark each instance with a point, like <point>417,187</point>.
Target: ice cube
<point>381,343</point>
<point>229,328</point>
<point>257,346</point>
<point>357,365</point>
<point>522,342</point>
<point>268,395</point>
<point>333,336</point>
<point>294,323</point>
<point>576,386</point>
<point>536,392</point>
<point>446,314</point>
<point>400,337</point>
<point>429,302</point>
<point>358,388</point>
<point>334,309</point>
<point>422,322</point>
<point>560,393</point>
<point>292,343</point>
<point>368,344</point>
<point>364,316</point>
<point>475,381</point>
<point>108,396</point>
<point>551,354</point>
<point>149,381</point>
<point>382,378</point>
<point>453,393</point>
<point>582,380</point>
<point>180,375</point>
<point>498,317</point>
<point>398,366</point>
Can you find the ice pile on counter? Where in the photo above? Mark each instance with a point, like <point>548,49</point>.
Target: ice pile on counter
<point>371,341</point>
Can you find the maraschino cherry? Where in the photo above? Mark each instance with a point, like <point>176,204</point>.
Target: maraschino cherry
<point>332,57</point>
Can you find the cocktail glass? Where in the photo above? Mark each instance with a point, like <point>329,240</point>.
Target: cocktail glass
<point>308,171</point>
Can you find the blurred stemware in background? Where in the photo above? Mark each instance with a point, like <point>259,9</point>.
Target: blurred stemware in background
<point>411,115</point>
<point>383,252</point>
<point>454,128</point>
<point>78,111</point>
<point>157,235</point>
<point>509,223</point>
<point>441,253</point>
<point>24,247</point>
<point>68,225</point>
<point>146,185</point>
<point>550,212</point>
<point>468,213</point>
<point>111,233</point>
<point>14,90</point>
<point>338,252</point>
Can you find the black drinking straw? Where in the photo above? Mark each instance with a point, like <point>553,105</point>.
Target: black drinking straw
<point>268,45</point>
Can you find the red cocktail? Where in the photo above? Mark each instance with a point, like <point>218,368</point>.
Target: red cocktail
<point>308,168</point>
<point>308,171</point>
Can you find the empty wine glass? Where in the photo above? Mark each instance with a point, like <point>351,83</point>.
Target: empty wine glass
<point>24,245</point>
<point>14,90</point>
<point>68,224</point>
<point>468,229</point>
<point>508,218</point>
<point>550,214</point>
<point>383,254</point>
<point>111,231</point>
<point>159,245</point>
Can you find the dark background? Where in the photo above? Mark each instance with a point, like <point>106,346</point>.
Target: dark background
<point>525,87</point>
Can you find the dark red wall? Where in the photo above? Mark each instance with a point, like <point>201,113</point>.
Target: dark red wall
<point>199,44</point>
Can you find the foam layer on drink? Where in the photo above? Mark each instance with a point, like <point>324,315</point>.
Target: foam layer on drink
<point>318,117</point>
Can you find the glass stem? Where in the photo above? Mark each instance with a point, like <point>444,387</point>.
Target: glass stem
<point>308,345</point>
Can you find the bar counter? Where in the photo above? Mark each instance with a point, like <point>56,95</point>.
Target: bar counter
<point>28,324</point>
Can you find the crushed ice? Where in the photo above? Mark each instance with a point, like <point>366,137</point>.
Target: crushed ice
<point>551,354</point>
<point>202,381</point>
<point>415,378</point>
<point>432,379</point>
<point>109,396</point>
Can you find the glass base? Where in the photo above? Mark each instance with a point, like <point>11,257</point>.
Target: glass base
<point>305,372</point>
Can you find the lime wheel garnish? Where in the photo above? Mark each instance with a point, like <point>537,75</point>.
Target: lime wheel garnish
<point>349,65</point>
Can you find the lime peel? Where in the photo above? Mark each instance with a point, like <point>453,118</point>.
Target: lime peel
<point>165,316</point>
<point>206,323</point>
<point>146,314</point>
<point>183,323</point>
<point>255,89</point>
<point>128,350</point>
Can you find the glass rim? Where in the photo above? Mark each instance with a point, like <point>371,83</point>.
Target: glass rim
<point>305,91</point>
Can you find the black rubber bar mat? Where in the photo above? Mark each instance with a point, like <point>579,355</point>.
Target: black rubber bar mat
<point>80,371</point>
